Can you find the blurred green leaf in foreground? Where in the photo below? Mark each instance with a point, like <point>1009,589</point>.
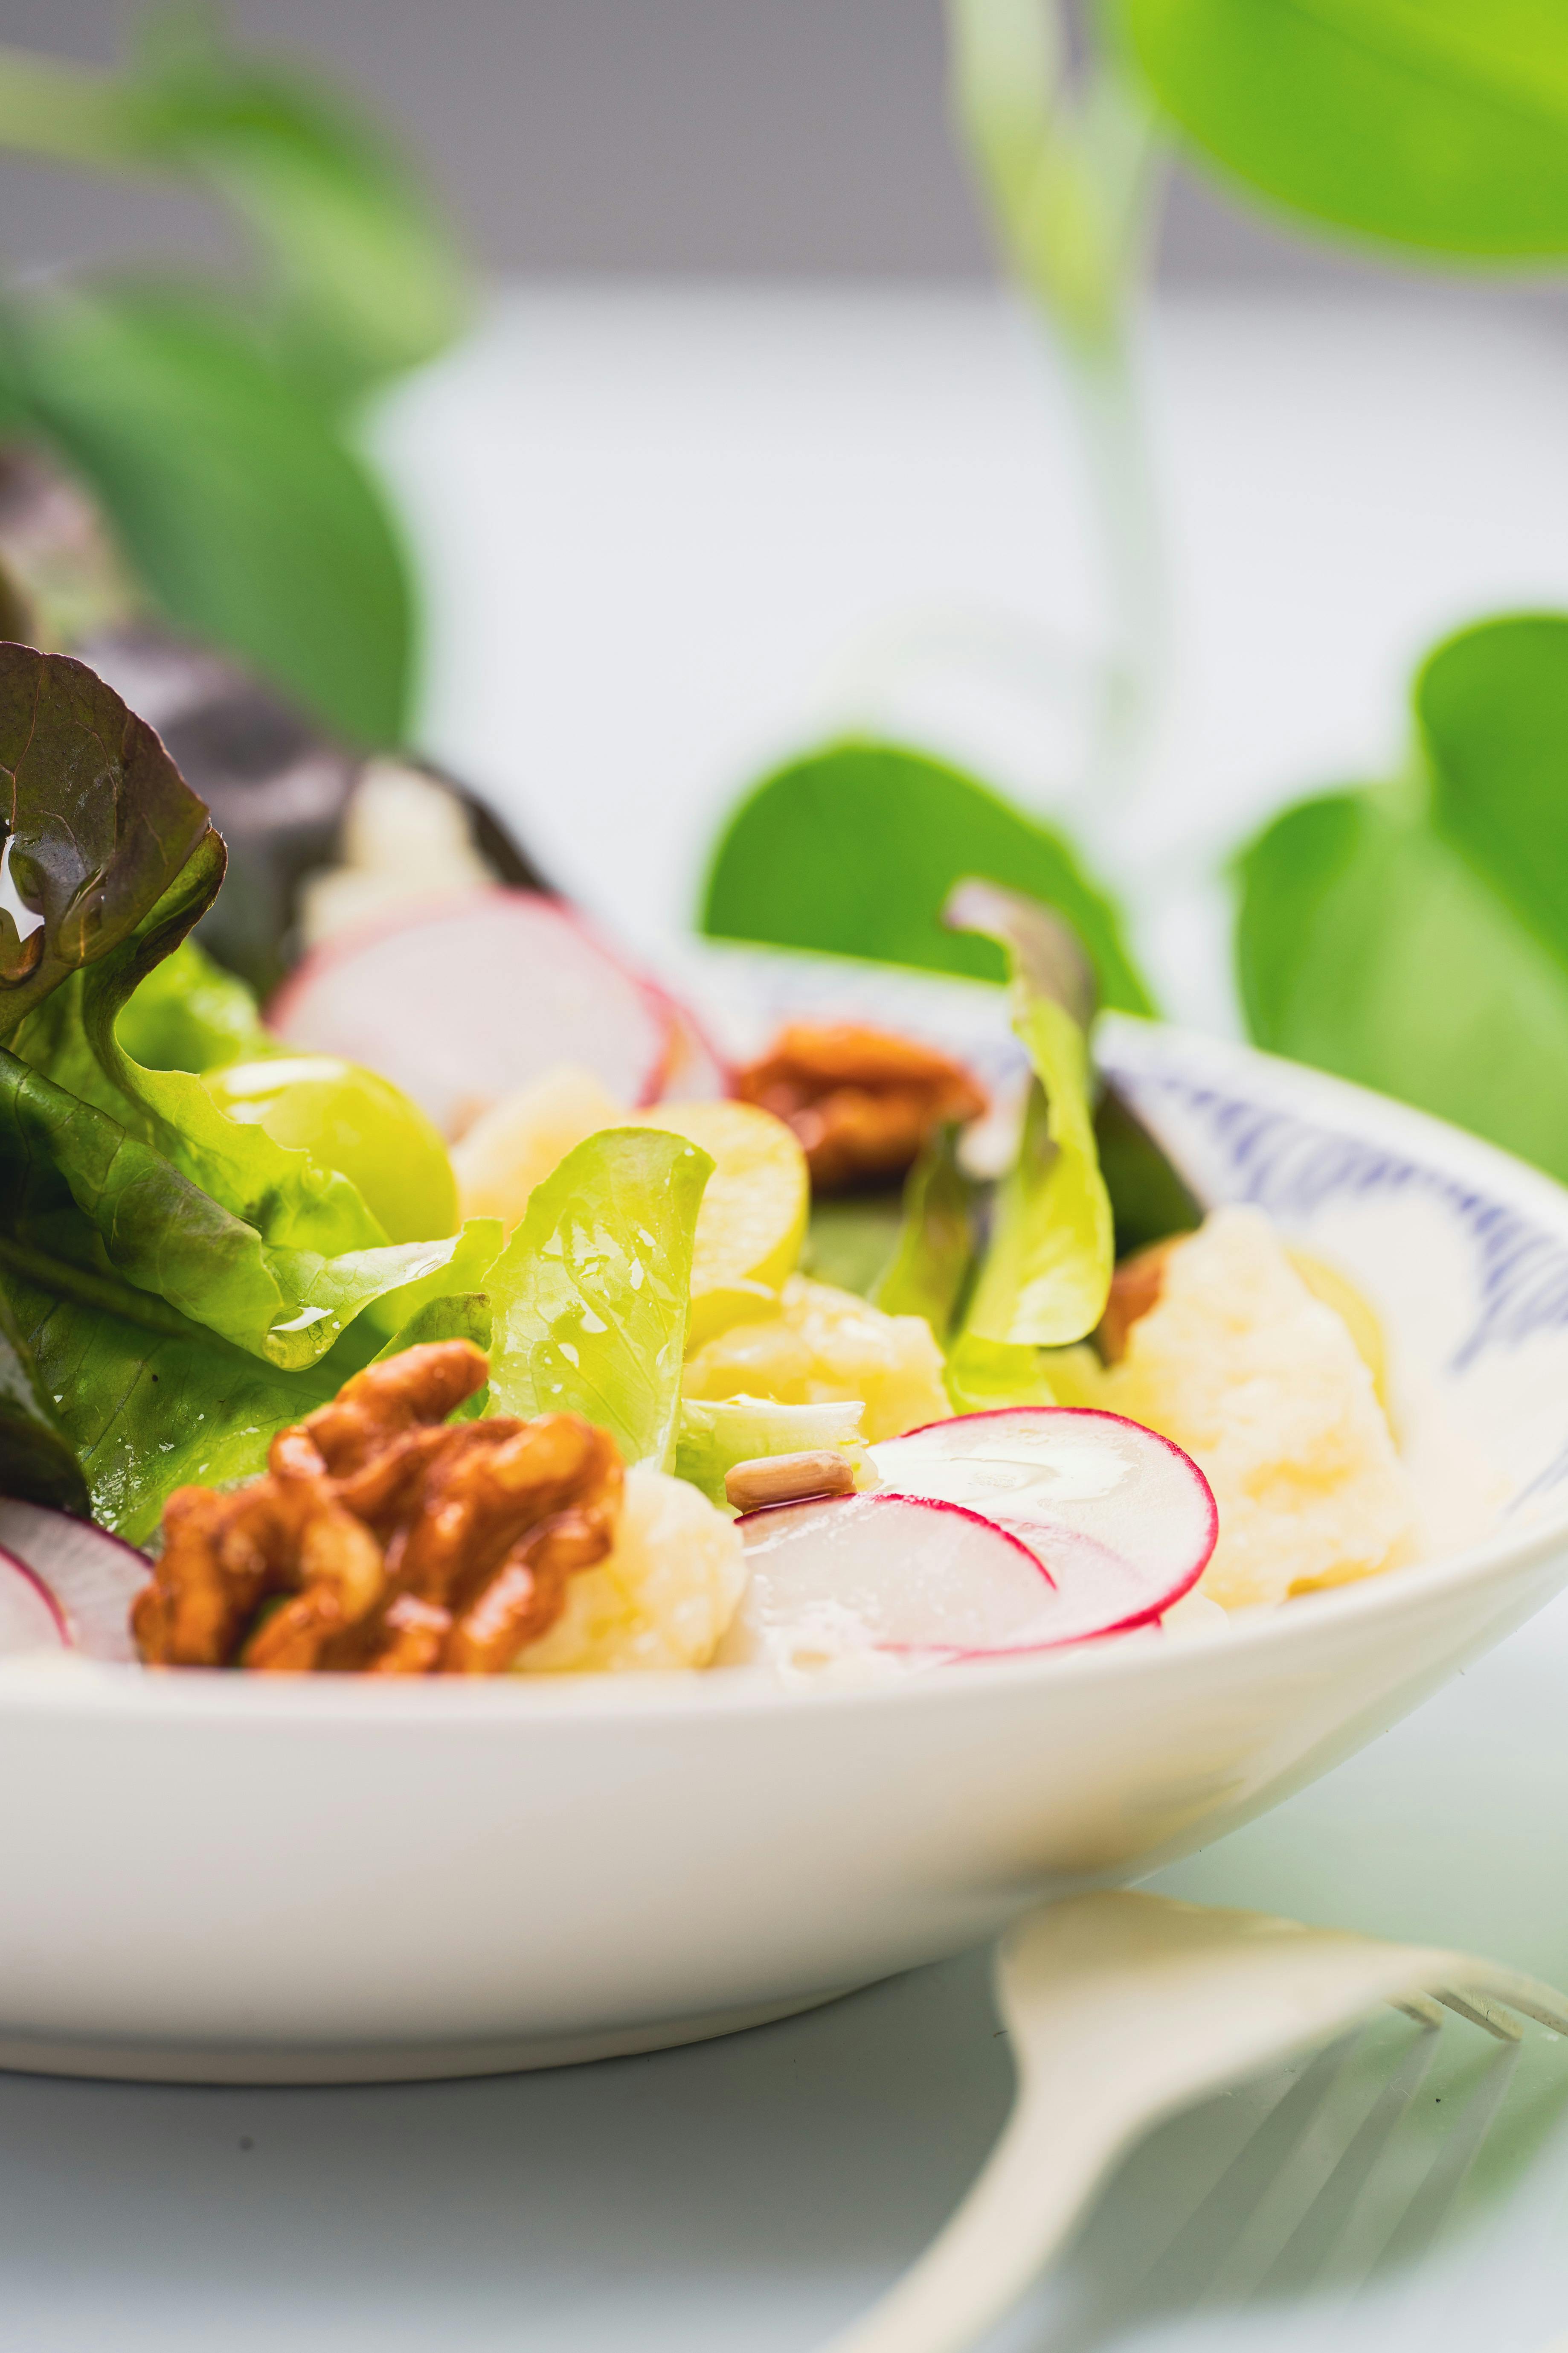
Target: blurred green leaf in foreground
<point>1415,935</point>
<point>1434,123</point>
<point>215,423</point>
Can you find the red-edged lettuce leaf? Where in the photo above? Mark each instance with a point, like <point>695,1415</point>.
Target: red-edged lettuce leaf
<point>98,824</point>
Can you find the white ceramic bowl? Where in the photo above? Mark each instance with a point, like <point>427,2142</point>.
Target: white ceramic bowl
<point>235,1879</point>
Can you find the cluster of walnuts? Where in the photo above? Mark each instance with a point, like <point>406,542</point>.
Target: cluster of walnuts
<point>385,1539</point>
<point>862,1101</point>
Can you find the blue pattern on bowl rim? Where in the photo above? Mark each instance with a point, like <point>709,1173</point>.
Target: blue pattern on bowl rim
<point>1413,1206</point>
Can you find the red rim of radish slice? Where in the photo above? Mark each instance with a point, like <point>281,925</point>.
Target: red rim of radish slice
<point>12,1567</point>
<point>1083,1539</point>
<point>86,1577</point>
<point>1062,1535</point>
<point>817,1585</point>
<point>283,1013</point>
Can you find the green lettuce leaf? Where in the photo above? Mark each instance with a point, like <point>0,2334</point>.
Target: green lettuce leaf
<point>590,1297</point>
<point>713,1437</point>
<point>189,1014</point>
<point>935,1250</point>
<point>982,1374</point>
<point>237,1232</point>
<point>850,1239</point>
<point>1149,1198</point>
<point>36,1459</point>
<point>855,849</point>
<point>1047,1275</point>
<point>146,1410</point>
<point>100,823</point>
<point>74,1040</point>
<point>76,1186</point>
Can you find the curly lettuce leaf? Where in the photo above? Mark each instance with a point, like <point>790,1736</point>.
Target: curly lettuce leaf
<point>1047,1275</point>
<point>591,1296</point>
<point>714,1435</point>
<point>76,1186</point>
<point>145,1400</point>
<point>100,822</point>
<point>148,1411</point>
<point>74,1039</point>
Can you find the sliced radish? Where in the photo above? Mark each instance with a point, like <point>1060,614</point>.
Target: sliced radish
<point>694,1070</point>
<point>886,1572</point>
<point>83,1578</point>
<point>473,996</point>
<point>1122,1522</point>
<point>28,1618</point>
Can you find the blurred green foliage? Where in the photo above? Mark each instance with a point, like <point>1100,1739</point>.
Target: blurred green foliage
<point>215,424</point>
<point>1440,124</point>
<point>1415,935</point>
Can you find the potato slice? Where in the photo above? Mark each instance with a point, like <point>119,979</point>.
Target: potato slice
<point>752,1219</point>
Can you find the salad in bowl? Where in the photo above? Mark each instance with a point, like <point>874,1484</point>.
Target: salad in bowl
<point>469,1313</point>
<point>547,1510</point>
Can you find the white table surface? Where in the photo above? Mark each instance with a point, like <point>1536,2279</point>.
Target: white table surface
<point>661,532</point>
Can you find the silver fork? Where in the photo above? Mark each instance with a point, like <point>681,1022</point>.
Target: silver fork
<point>1123,2010</point>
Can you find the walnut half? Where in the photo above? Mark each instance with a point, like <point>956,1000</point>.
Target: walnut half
<point>861,1101</point>
<point>385,1539</point>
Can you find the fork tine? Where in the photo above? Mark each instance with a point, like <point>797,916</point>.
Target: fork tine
<point>1324,2241</point>
<point>1434,2199</point>
<point>1483,2013</point>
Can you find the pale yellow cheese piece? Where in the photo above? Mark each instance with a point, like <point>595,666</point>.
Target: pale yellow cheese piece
<point>825,1346</point>
<point>513,1145</point>
<point>663,1596</point>
<point>1263,1385</point>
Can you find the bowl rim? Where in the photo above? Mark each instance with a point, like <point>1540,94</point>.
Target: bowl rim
<point>70,1686</point>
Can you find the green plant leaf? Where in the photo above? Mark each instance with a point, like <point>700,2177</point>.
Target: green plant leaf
<point>1150,1199</point>
<point>250,522</point>
<point>36,1459</point>
<point>368,280</point>
<point>590,1295</point>
<point>854,850</point>
<point>364,279</point>
<point>850,1239</point>
<point>1491,712</point>
<point>984,1375</point>
<point>189,1014</point>
<point>75,1183</point>
<point>1045,1275</point>
<point>99,824</point>
<point>934,1249</point>
<point>1369,946</point>
<point>72,1040</point>
<point>1066,162</point>
<point>1436,123</point>
<point>147,1411</point>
